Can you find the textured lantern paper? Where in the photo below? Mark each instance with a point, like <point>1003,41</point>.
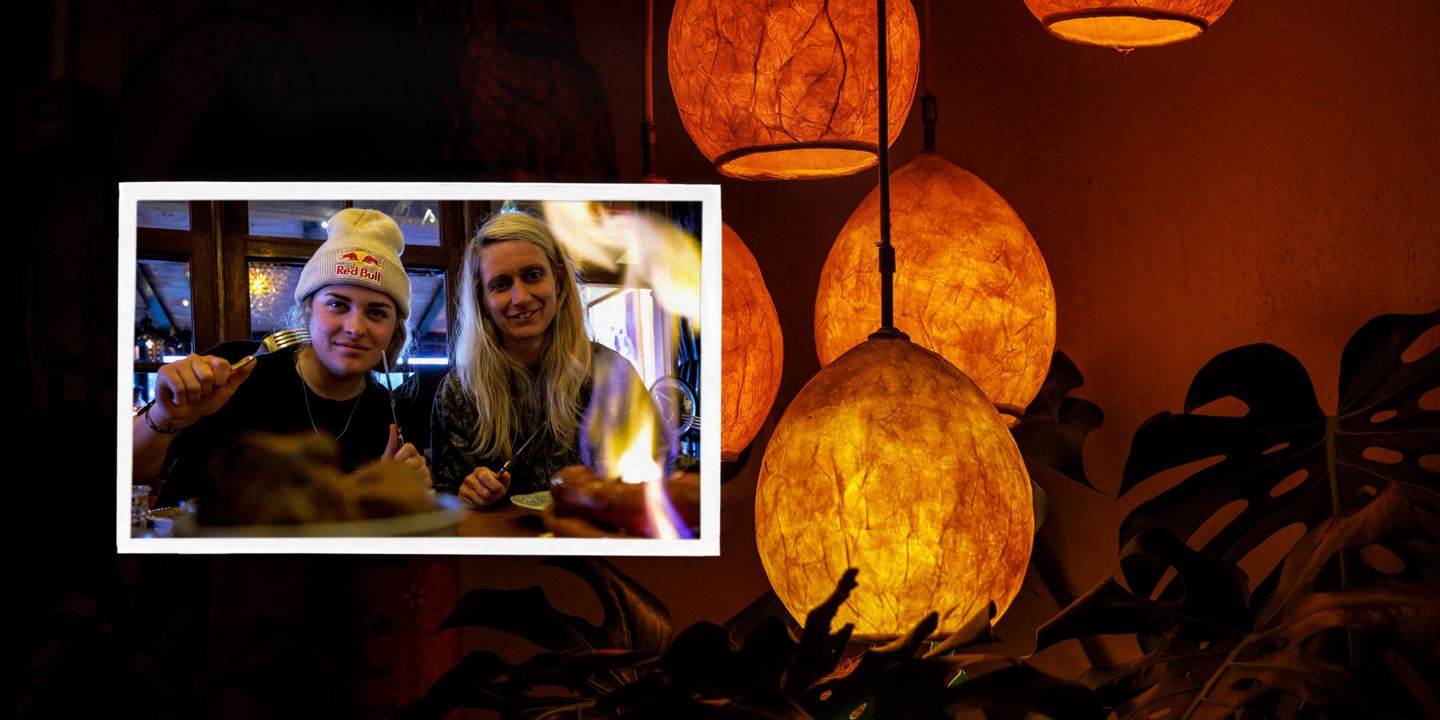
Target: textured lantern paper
<point>753,347</point>
<point>970,282</point>
<point>786,89</point>
<point>1126,24</point>
<point>891,461</point>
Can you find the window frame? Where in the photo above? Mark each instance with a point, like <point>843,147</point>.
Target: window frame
<point>219,248</point>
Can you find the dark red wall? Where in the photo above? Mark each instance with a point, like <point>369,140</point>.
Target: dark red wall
<point>1275,180</point>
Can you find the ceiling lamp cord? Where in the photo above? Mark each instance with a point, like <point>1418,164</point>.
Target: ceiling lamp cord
<point>647,126</point>
<point>929,113</point>
<point>887,251</point>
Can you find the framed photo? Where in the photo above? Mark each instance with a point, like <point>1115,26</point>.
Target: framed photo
<point>504,394</point>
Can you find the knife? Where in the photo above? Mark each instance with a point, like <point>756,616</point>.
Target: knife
<point>519,450</point>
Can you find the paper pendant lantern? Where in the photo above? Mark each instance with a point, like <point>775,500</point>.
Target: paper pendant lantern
<point>891,461</point>
<point>970,281</point>
<point>785,89</point>
<point>1127,24</point>
<point>754,351</point>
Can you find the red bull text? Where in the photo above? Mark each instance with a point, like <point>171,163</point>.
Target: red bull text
<point>353,264</point>
<point>356,271</point>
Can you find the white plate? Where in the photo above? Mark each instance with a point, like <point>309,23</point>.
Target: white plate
<point>534,502</point>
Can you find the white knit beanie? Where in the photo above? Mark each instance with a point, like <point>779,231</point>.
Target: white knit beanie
<point>364,249</point>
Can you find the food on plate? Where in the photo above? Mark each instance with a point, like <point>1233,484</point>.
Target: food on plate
<point>587,505</point>
<point>269,479</point>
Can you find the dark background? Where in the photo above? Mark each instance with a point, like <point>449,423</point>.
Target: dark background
<point>1275,181</point>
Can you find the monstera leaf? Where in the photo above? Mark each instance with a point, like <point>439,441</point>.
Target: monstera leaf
<point>1284,458</point>
<point>1007,689</point>
<point>764,609</point>
<point>1054,427</point>
<point>909,678</point>
<point>586,659</point>
<point>634,619</point>
<point>759,665</point>
<point>1209,653</point>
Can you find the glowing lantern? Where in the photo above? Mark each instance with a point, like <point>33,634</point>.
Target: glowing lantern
<point>753,346</point>
<point>892,461</point>
<point>1126,24</point>
<point>970,282</point>
<point>785,89</point>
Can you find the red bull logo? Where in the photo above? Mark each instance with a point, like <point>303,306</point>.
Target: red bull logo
<point>352,264</point>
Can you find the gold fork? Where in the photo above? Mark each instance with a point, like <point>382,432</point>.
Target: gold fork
<point>274,342</point>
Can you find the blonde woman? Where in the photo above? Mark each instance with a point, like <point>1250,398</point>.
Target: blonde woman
<point>523,366</point>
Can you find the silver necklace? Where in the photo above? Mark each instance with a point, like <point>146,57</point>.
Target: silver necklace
<point>305,394</point>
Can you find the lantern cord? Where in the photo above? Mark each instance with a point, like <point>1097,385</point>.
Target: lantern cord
<point>647,126</point>
<point>929,112</point>
<point>925,54</point>
<point>887,251</point>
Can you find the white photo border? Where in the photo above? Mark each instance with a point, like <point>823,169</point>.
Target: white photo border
<point>707,544</point>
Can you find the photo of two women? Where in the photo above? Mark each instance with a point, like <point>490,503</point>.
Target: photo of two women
<point>435,368</point>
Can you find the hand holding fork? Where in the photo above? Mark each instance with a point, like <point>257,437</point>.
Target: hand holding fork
<point>198,385</point>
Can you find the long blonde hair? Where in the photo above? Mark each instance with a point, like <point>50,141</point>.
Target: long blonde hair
<point>490,378</point>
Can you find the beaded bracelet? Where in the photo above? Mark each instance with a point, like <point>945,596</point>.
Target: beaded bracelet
<point>145,411</point>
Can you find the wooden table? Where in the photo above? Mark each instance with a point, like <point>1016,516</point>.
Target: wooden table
<point>506,520</point>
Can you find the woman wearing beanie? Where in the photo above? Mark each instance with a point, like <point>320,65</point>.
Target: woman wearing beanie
<point>354,298</point>
<point>523,366</point>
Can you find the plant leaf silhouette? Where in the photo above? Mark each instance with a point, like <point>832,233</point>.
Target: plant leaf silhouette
<point>1210,655</point>
<point>586,659</point>
<point>1054,428</point>
<point>1284,458</point>
<point>634,618</point>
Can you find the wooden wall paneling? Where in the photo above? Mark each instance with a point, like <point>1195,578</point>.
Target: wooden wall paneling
<point>234,278</point>
<point>205,273</point>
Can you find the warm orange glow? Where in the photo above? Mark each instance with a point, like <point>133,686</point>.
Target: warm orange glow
<point>890,460</point>
<point>970,282</point>
<point>622,426</point>
<point>1126,24</point>
<point>657,253</point>
<point>636,466</point>
<point>754,351</point>
<point>787,90</point>
<point>266,283</point>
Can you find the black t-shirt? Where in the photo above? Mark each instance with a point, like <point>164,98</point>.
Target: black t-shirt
<point>274,399</point>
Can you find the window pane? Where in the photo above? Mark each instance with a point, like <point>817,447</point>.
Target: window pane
<point>169,215</point>
<point>427,317</point>
<point>419,220</point>
<point>624,320</point>
<point>144,390</point>
<point>292,218</point>
<point>272,295</point>
<point>163,325</point>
